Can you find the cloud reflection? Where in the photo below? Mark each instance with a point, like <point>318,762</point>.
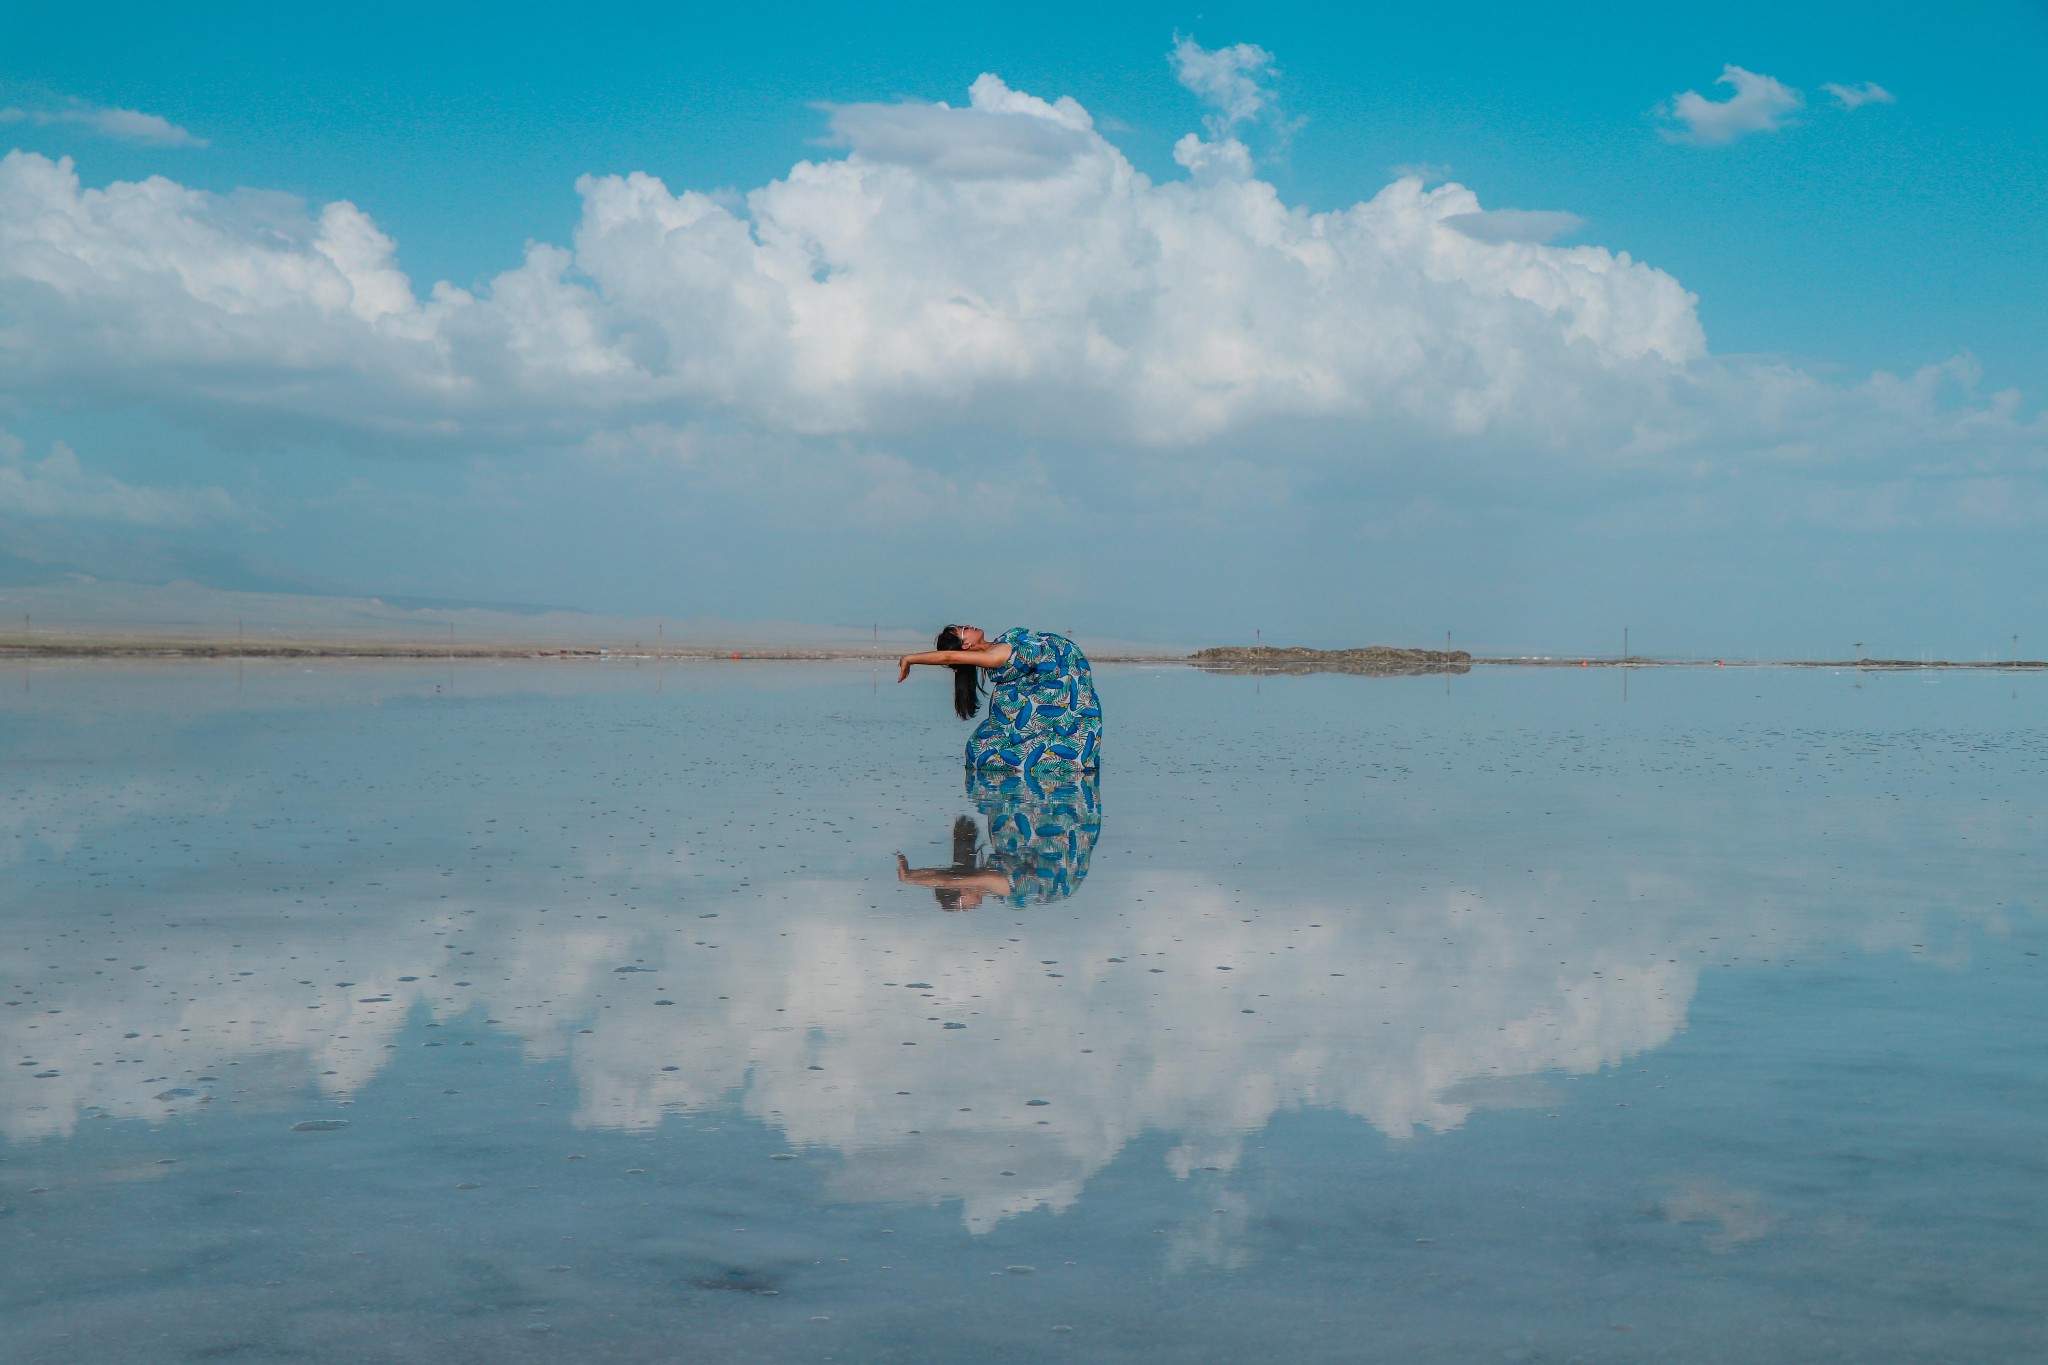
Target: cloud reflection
<point>196,944</point>
<point>1194,1012</point>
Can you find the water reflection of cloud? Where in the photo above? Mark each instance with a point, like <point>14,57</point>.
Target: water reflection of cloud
<point>1739,1216</point>
<point>53,820</point>
<point>1195,1012</point>
<point>1411,1018</point>
<point>1174,1002</point>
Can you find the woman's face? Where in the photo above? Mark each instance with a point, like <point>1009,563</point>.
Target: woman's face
<point>971,637</point>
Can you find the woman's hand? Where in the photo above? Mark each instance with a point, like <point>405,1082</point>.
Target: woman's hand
<point>903,668</point>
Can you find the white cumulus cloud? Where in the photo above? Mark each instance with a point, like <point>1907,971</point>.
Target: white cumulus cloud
<point>1760,104</point>
<point>988,140</point>
<point>126,125</point>
<point>1002,261</point>
<point>1856,96</point>
<point>1516,225</point>
<point>1234,81</point>
<point>60,488</point>
<point>998,271</point>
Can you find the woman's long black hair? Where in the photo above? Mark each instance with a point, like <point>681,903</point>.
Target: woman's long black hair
<point>966,677</point>
<point>966,858</point>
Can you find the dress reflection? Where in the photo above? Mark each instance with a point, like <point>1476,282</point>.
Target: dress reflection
<point>1041,832</point>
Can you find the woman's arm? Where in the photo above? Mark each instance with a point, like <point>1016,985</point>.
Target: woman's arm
<point>989,656</point>
<point>984,879</point>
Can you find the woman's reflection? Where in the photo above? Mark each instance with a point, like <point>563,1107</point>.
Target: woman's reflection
<point>1040,835</point>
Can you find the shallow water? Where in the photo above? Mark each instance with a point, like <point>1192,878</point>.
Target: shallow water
<point>575,1012</point>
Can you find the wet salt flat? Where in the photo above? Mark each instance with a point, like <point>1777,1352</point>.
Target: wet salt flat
<point>577,1012</point>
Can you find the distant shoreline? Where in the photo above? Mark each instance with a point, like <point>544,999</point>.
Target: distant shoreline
<point>1379,661</point>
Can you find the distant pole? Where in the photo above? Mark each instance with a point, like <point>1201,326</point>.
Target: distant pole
<point>1624,642</point>
<point>1859,651</point>
<point>1258,638</point>
<point>238,635</point>
<point>1447,642</point>
<point>2015,651</point>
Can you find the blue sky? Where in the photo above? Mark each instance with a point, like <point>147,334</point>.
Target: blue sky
<point>1753,490</point>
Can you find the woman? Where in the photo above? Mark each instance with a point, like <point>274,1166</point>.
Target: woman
<point>1040,837</point>
<point>961,886</point>
<point>1042,711</point>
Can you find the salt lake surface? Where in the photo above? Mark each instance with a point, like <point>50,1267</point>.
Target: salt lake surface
<point>578,1012</point>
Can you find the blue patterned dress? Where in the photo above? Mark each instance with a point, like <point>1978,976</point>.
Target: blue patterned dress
<point>1041,828</point>
<point>1042,711</point>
